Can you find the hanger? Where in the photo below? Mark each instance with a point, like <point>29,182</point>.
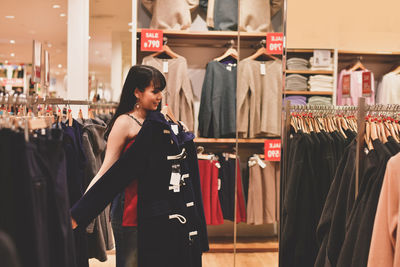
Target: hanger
<point>261,54</point>
<point>167,112</point>
<point>200,154</point>
<point>166,51</point>
<point>358,65</point>
<point>396,70</point>
<point>231,52</point>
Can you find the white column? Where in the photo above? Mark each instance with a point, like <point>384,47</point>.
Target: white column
<point>116,66</point>
<point>78,53</point>
<point>134,30</point>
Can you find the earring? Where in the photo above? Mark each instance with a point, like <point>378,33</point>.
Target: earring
<point>137,104</point>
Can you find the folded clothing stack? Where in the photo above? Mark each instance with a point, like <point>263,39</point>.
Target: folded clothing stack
<point>321,83</point>
<point>296,82</point>
<point>296,63</point>
<point>313,67</point>
<point>295,100</point>
<point>320,100</point>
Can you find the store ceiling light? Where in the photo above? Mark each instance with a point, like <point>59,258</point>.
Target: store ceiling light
<point>49,45</point>
<point>59,66</point>
<point>12,55</point>
<point>90,37</point>
<point>12,41</point>
<point>6,61</point>
<point>130,23</point>
<point>10,17</point>
<point>63,15</point>
<point>56,6</point>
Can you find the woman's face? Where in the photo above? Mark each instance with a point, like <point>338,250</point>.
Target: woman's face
<point>150,98</point>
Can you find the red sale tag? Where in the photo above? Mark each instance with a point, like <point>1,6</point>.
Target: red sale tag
<point>346,84</point>
<point>275,43</point>
<point>366,83</point>
<point>272,149</point>
<point>151,40</point>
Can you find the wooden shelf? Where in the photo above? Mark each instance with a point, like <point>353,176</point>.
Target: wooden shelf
<point>309,72</point>
<point>243,245</point>
<point>210,34</point>
<point>308,93</point>
<point>383,53</point>
<point>229,140</point>
<point>305,50</point>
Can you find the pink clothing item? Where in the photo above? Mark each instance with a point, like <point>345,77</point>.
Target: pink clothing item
<point>355,89</point>
<point>384,250</point>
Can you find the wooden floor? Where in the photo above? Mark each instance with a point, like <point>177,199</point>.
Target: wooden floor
<point>267,259</point>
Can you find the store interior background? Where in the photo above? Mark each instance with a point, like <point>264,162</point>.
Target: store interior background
<point>354,28</point>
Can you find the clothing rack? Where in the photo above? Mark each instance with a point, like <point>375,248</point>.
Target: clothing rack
<point>32,101</point>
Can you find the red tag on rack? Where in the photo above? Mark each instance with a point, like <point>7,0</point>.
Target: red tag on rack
<point>346,85</point>
<point>272,149</point>
<point>151,40</point>
<point>275,43</point>
<point>366,83</point>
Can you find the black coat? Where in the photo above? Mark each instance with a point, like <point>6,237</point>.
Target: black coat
<point>171,225</point>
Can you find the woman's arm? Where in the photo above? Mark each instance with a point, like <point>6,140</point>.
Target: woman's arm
<point>122,130</point>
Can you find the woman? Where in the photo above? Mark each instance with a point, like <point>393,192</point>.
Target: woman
<point>142,92</point>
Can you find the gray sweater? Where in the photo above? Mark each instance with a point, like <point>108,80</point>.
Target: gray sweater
<point>217,115</point>
<point>259,98</point>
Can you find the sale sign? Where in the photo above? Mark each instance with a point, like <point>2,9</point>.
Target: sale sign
<point>366,83</point>
<point>272,150</point>
<point>275,43</point>
<point>151,40</point>
<point>346,85</point>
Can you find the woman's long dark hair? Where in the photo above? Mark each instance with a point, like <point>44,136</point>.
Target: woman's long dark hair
<point>140,77</point>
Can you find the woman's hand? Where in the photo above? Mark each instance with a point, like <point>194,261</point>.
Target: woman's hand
<point>74,224</point>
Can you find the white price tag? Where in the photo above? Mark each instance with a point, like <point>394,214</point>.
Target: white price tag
<point>262,69</point>
<point>175,178</point>
<point>219,184</point>
<point>176,188</point>
<point>261,163</point>
<point>218,165</point>
<point>229,68</point>
<point>175,129</point>
<point>165,66</point>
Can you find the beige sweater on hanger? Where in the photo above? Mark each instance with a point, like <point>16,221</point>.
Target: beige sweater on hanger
<point>259,98</point>
<point>255,15</point>
<point>178,94</point>
<point>384,250</point>
<point>171,15</point>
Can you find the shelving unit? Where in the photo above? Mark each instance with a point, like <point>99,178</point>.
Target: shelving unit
<point>306,54</point>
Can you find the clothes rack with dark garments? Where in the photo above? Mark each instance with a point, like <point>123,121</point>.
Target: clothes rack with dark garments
<point>38,219</point>
<point>35,177</point>
<point>313,155</point>
<point>341,235</point>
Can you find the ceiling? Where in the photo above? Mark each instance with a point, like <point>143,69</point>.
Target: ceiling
<point>38,20</point>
